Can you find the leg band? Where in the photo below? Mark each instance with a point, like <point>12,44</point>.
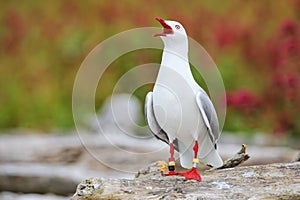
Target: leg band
<point>172,163</point>
<point>171,167</point>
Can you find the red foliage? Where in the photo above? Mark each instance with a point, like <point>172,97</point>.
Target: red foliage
<point>225,34</point>
<point>284,46</point>
<point>69,7</point>
<point>16,30</point>
<point>110,13</point>
<point>278,62</point>
<point>248,46</point>
<point>284,123</point>
<point>51,29</point>
<point>285,87</point>
<point>243,100</point>
<point>282,93</point>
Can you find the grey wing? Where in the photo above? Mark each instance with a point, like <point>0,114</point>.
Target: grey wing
<point>209,115</point>
<point>156,130</point>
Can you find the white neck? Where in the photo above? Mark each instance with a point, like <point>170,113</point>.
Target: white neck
<point>177,61</point>
<point>170,56</point>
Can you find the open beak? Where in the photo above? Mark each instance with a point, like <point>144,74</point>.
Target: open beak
<point>166,28</point>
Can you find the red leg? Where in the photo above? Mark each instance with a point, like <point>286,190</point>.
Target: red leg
<point>195,149</point>
<point>171,159</point>
<point>193,174</point>
<point>171,162</point>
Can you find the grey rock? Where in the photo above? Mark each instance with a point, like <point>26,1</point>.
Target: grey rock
<point>273,181</point>
<point>89,187</point>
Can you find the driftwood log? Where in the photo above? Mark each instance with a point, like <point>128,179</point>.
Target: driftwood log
<point>273,181</point>
<point>237,159</point>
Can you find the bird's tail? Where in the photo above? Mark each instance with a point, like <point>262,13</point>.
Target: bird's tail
<point>213,159</point>
<point>207,153</point>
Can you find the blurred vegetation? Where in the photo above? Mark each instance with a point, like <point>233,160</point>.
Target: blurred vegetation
<point>255,44</point>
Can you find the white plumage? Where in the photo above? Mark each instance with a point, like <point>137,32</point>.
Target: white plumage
<point>178,110</point>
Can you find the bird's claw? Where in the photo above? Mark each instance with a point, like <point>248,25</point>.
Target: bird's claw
<point>171,173</point>
<point>189,175</point>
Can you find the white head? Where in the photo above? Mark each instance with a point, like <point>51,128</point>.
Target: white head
<point>173,36</point>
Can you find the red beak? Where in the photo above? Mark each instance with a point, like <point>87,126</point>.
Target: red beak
<point>166,28</point>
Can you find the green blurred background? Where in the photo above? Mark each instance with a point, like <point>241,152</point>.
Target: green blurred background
<point>255,44</point>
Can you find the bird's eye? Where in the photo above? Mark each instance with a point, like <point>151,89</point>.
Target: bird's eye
<point>177,27</point>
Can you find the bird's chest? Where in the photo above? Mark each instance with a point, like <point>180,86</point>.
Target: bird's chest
<point>174,103</point>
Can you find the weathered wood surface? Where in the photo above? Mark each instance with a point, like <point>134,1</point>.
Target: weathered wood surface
<point>240,157</point>
<point>43,163</point>
<point>273,181</point>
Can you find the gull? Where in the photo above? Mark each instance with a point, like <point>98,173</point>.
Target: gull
<point>178,111</point>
